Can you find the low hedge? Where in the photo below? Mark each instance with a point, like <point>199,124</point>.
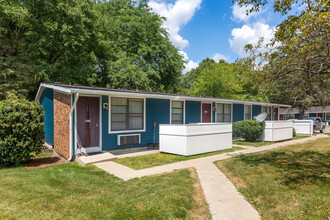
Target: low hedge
<point>250,130</point>
<point>21,130</point>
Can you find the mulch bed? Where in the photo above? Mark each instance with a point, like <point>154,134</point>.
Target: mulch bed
<point>39,162</point>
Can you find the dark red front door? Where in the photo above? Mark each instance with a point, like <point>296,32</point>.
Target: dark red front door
<point>88,117</point>
<point>320,115</point>
<point>206,112</point>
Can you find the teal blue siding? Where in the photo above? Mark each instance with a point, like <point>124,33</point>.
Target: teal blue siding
<point>256,110</point>
<point>193,112</point>
<point>47,102</point>
<point>157,110</point>
<point>238,112</point>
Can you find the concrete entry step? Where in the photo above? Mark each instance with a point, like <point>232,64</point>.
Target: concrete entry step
<point>95,158</point>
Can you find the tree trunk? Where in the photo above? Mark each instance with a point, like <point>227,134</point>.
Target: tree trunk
<point>302,112</point>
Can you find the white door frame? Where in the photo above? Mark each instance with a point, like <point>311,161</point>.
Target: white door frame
<point>202,111</point>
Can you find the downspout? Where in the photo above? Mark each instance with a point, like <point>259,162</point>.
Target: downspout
<point>73,106</point>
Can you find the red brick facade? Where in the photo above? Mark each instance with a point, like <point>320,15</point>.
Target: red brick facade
<point>62,105</point>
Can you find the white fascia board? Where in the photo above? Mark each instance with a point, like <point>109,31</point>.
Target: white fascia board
<point>40,91</point>
<point>171,97</point>
<point>56,88</point>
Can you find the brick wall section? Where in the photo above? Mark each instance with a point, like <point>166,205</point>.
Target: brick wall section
<point>62,105</point>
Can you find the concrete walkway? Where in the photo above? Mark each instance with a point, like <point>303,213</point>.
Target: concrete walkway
<point>224,200</point>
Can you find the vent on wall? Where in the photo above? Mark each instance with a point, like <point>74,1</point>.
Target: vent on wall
<point>129,139</point>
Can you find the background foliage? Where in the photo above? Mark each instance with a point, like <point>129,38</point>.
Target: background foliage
<point>114,43</point>
<point>296,69</point>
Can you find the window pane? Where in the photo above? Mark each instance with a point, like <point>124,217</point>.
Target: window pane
<point>118,109</point>
<point>136,123</point>
<point>176,117</point>
<point>115,126</point>
<point>227,108</point>
<point>327,116</point>
<point>247,116</point>
<point>177,112</point>
<point>118,101</point>
<point>220,118</point>
<point>177,104</point>
<point>118,117</point>
<point>219,108</point>
<point>247,109</point>
<point>227,118</point>
<point>135,106</point>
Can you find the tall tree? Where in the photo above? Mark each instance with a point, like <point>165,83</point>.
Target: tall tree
<point>137,53</point>
<point>222,79</point>
<point>46,40</point>
<point>297,69</point>
<point>189,79</point>
<point>117,43</point>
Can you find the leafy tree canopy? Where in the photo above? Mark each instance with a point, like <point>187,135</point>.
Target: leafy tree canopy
<point>297,65</point>
<point>222,79</point>
<point>116,43</point>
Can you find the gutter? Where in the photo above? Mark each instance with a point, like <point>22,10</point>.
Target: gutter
<point>73,106</point>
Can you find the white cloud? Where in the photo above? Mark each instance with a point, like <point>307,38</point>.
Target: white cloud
<point>239,13</point>
<point>190,65</point>
<point>184,54</point>
<point>177,14</point>
<point>216,57</point>
<point>250,34</point>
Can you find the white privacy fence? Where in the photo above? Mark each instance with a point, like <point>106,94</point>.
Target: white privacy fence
<point>303,126</point>
<point>191,139</point>
<point>277,131</point>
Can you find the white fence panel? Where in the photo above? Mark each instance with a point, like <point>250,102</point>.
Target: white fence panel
<point>303,126</point>
<point>191,139</point>
<point>277,131</point>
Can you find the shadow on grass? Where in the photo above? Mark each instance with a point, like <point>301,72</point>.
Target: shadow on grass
<point>294,167</point>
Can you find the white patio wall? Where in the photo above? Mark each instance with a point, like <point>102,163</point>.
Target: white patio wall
<point>191,139</point>
<point>277,131</point>
<point>303,126</point>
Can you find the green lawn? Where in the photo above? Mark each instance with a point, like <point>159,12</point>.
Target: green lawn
<point>253,144</point>
<point>71,191</point>
<point>152,160</point>
<point>292,182</point>
<point>264,143</point>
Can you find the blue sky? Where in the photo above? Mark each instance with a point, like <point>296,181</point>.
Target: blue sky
<point>217,29</point>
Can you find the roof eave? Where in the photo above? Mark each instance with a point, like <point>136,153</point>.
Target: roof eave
<point>146,95</point>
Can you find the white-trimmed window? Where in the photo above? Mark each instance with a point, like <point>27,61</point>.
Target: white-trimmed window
<point>268,110</point>
<point>127,114</point>
<point>223,112</point>
<point>177,110</point>
<point>247,112</point>
<point>289,116</point>
<point>327,116</point>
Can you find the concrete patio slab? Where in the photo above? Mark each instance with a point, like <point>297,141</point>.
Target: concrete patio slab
<point>138,153</point>
<point>95,158</point>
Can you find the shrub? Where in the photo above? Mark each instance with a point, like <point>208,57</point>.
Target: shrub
<point>293,133</point>
<point>21,130</point>
<point>250,130</point>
